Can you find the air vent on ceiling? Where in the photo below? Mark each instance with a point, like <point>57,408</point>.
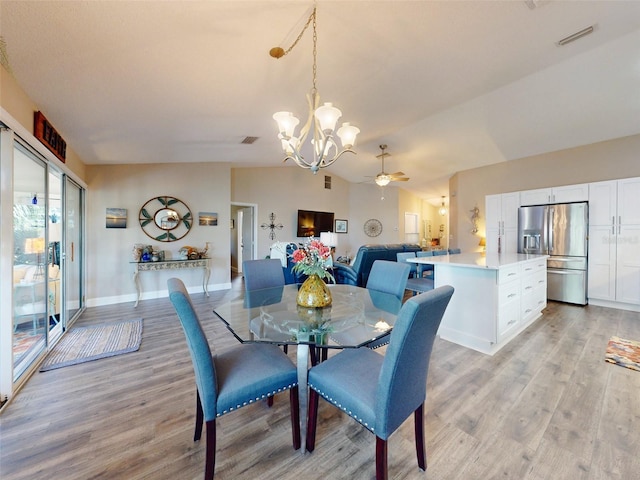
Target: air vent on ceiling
<point>248,140</point>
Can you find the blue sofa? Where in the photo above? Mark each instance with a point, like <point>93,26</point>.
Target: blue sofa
<point>358,273</point>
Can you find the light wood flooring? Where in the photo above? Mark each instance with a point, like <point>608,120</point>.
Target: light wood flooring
<point>546,406</point>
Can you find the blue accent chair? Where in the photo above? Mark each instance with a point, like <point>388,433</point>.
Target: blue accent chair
<point>358,273</point>
<point>388,277</point>
<point>232,379</point>
<point>378,391</point>
<point>454,251</point>
<point>439,252</point>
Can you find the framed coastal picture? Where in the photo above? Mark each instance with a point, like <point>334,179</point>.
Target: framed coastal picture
<point>208,219</point>
<point>342,226</point>
<point>116,218</point>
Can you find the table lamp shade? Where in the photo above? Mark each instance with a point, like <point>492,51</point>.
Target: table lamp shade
<point>330,239</point>
<point>34,245</point>
<point>483,242</point>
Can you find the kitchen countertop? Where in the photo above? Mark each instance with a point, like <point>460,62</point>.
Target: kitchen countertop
<point>492,261</point>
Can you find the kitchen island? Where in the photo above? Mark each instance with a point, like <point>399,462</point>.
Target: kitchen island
<point>496,296</point>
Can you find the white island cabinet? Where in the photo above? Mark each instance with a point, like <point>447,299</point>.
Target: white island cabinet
<point>496,296</point>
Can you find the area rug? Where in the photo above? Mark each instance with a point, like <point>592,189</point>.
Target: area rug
<point>625,353</point>
<point>84,344</point>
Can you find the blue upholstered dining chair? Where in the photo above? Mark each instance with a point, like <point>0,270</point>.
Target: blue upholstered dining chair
<point>232,379</point>
<point>454,251</point>
<point>378,391</point>
<point>402,257</point>
<point>388,277</point>
<point>425,270</point>
<point>260,275</point>
<point>263,273</point>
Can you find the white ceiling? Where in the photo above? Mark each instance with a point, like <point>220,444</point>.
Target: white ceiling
<point>447,85</point>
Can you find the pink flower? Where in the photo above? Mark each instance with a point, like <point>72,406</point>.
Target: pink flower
<point>299,255</point>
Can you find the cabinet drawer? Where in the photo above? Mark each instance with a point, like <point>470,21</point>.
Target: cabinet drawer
<point>508,317</point>
<point>508,293</point>
<point>509,273</point>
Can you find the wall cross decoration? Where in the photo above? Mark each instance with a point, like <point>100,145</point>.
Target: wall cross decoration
<point>272,225</point>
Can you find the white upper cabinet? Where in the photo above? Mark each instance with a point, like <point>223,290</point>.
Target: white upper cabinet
<point>629,201</point>
<point>564,194</point>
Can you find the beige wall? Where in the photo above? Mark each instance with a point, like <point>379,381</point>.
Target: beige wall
<point>285,190</point>
<point>608,160</point>
<point>203,187</point>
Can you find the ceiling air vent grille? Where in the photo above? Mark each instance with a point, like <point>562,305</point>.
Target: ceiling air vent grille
<point>248,140</point>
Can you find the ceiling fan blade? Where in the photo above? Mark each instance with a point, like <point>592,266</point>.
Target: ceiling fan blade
<point>400,179</point>
<point>396,174</point>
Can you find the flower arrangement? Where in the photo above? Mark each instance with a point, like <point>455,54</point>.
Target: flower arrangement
<point>311,259</point>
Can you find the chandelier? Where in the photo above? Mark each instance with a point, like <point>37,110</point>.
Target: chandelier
<point>321,121</point>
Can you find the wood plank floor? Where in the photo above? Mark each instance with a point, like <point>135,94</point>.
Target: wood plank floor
<point>546,406</point>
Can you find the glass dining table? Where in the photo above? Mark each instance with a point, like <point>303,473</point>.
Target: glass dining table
<point>356,317</point>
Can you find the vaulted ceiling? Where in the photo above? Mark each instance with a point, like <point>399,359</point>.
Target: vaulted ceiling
<point>447,85</point>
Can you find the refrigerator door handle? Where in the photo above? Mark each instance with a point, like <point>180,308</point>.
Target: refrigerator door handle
<point>613,225</point>
<point>551,212</point>
<point>619,224</point>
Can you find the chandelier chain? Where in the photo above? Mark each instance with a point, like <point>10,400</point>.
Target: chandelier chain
<point>304,29</point>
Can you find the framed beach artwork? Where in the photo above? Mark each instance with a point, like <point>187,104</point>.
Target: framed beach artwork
<point>208,219</point>
<point>116,218</point>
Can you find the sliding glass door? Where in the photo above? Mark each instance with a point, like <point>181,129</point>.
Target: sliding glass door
<point>73,250</point>
<point>30,272</point>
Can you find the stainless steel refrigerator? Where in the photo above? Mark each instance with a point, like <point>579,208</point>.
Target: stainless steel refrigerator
<point>559,231</point>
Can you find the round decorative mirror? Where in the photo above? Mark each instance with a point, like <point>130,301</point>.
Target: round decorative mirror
<point>165,219</point>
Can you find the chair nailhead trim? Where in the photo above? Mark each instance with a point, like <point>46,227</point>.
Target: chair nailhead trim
<point>219,414</point>
<point>348,412</point>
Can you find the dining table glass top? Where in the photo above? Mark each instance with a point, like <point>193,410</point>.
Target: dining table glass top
<point>356,317</point>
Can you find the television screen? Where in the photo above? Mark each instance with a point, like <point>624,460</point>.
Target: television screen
<point>311,223</point>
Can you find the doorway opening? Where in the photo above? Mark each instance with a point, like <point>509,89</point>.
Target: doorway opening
<point>244,230</point>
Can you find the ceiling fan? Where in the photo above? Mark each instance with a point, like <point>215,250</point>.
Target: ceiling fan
<point>383,178</point>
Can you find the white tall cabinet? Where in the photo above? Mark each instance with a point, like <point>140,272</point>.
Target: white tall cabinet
<point>614,242</point>
<point>501,212</point>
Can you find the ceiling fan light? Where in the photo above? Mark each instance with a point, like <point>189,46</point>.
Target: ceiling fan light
<point>383,180</point>
<point>327,115</point>
<point>348,134</point>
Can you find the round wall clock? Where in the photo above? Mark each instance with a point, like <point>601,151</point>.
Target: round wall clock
<point>373,227</point>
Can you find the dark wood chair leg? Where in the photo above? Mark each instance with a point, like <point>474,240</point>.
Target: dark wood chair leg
<point>199,418</point>
<point>312,420</point>
<point>381,459</point>
<point>285,348</point>
<point>270,401</point>
<point>295,416</point>
<point>313,354</point>
<point>325,354</point>
<point>210,462</point>
<point>418,416</point>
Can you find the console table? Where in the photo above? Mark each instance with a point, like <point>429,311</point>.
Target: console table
<point>170,265</point>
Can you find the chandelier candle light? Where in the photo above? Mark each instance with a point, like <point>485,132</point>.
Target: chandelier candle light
<point>322,121</point>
